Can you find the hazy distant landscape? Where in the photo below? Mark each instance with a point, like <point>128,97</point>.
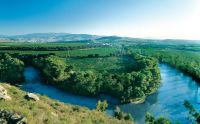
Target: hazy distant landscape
<point>66,37</point>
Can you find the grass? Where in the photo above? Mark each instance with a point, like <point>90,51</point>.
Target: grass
<point>110,64</point>
<point>48,111</point>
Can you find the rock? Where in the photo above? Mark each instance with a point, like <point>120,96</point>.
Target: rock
<point>17,119</point>
<point>3,94</point>
<point>3,121</point>
<point>7,117</point>
<point>4,114</point>
<point>32,96</point>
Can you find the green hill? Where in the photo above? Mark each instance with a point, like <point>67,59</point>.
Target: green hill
<point>48,111</point>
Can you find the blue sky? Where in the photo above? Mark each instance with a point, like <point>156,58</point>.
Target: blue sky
<point>134,18</point>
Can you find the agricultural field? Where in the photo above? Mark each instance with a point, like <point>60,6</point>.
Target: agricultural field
<point>101,51</point>
<point>31,44</point>
<point>121,64</point>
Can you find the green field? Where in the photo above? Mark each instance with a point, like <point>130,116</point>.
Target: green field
<point>110,64</point>
<point>102,51</point>
<point>31,44</point>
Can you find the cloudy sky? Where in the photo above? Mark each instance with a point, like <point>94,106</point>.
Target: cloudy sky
<point>135,18</point>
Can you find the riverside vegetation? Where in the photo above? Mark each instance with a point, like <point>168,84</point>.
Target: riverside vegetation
<point>144,79</point>
<point>68,67</point>
<point>128,87</point>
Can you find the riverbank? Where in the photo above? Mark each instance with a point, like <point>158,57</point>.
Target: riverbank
<point>168,100</point>
<point>46,110</point>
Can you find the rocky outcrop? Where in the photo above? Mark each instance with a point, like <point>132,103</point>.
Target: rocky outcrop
<point>3,94</point>
<point>32,96</point>
<point>7,117</point>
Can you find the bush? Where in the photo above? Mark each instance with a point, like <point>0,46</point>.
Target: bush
<point>102,106</point>
<point>149,119</point>
<point>121,115</point>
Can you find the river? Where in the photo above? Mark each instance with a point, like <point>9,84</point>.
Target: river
<point>167,101</point>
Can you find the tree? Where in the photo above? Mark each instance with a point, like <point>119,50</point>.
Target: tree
<point>149,119</point>
<point>11,69</point>
<point>118,113</point>
<point>192,111</point>
<point>162,120</point>
<point>102,106</point>
<point>121,115</point>
<point>85,83</point>
<point>128,117</point>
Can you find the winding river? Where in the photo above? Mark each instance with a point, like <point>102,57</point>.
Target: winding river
<point>167,101</point>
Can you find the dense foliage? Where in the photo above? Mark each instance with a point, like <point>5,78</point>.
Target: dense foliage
<point>11,69</point>
<point>129,87</point>
<point>183,56</point>
<point>47,48</point>
<point>184,61</point>
<point>99,51</point>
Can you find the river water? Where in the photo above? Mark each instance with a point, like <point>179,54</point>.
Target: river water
<point>167,101</point>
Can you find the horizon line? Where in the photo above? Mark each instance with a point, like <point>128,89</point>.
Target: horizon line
<point>102,35</point>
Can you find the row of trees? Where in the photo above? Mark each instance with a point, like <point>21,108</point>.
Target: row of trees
<point>194,115</point>
<point>48,48</point>
<point>128,87</point>
<point>187,62</point>
<point>11,69</point>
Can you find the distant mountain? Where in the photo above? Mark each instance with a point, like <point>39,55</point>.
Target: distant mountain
<point>66,37</point>
<point>114,39</point>
<point>48,37</point>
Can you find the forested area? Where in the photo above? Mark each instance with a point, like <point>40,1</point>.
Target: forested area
<point>11,69</point>
<point>47,48</point>
<point>128,87</point>
<point>187,62</point>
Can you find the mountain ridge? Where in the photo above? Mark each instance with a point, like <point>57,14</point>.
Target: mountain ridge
<point>68,37</point>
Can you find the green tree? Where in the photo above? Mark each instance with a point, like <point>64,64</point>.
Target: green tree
<point>149,119</point>
<point>102,106</point>
<point>162,120</point>
<point>11,69</point>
